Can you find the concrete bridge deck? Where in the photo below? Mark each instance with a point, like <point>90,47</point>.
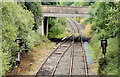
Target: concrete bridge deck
<point>64,11</point>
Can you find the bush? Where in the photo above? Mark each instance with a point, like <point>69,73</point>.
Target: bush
<point>112,57</point>
<point>95,42</point>
<point>112,54</point>
<point>35,8</point>
<point>58,27</point>
<point>104,22</point>
<point>17,23</point>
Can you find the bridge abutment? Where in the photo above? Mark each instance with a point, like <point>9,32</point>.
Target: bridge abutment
<point>45,27</point>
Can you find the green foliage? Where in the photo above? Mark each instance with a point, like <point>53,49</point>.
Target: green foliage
<point>77,3</point>
<point>112,57</point>
<point>67,3</point>
<point>35,8</point>
<point>77,19</point>
<point>104,22</point>
<point>91,51</point>
<point>17,23</point>
<point>81,4</point>
<point>95,42</point>
<point>50,3</point>
<point>57,27</point>
<point>103,16</point>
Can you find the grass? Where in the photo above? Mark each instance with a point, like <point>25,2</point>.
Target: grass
<point>31,61</point>
<point>64,34</point>
<point>90,50</point>
<point>93,66</point>
<point>95,49</point>
<point>79,20</point>
<point>0,63</point>
<point>111,56</point>
<point>87,31</point>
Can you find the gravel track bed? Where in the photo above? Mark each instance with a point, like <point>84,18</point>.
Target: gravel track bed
<point>49,65</point>
<point>78,63</point>
<point>63,66</point>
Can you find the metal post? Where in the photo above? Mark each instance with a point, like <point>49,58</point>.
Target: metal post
<point>18,66</point>
<point>19,41</point>
<point>104,45</point>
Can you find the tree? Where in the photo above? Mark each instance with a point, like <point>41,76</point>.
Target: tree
<point>16,23</point>
<point>101,15</point>
<point>104,19</point>
<point>35,8</point>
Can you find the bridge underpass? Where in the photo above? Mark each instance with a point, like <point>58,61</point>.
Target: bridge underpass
<point>61,11</point>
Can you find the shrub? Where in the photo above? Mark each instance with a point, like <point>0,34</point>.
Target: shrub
<point>16,23</point>
<point>58,27</point>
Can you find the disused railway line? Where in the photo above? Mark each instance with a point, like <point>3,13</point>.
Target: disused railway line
<point>53,71</point>
<point>80,34</point>
<point>51,74</point>
<point>78,30</point>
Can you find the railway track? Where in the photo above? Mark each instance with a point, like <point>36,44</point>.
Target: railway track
<point>70,20</point>
<point>80,34</point>
<point>49,67</point>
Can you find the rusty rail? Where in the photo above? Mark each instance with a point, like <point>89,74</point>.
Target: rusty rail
<point>71,61</point>
<point>75,25</point>
<point>50,55</point>
<point>84,58</point>
<point>54,69</point>
<point>82,49</point>
<point>71,58</point>
<point>70,24</point>
<point>71,55</point>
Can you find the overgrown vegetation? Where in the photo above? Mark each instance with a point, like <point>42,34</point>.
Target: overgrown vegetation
<point>58,27</point>
<point>35,8</point>
<point>77,3</point>
<point>18,23</point>
<point>105,25</point>
<point>21,20</point>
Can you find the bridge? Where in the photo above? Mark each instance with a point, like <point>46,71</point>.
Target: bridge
<point>64,11</point>
<point>60,11</point>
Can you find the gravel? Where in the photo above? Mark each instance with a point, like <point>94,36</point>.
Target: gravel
<point>63,66</point>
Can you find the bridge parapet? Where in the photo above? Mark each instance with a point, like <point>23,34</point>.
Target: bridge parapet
<point>64,11</point>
